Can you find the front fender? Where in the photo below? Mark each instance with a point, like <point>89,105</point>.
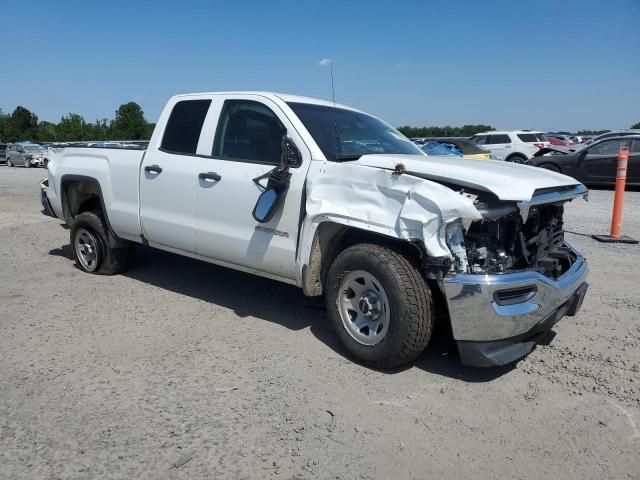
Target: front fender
<point>400,206</point>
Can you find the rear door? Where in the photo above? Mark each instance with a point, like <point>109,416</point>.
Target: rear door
<point>246,146</point>
<point>500,145</point>
<point>168,178</point>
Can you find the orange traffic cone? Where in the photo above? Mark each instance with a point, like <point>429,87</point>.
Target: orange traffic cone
<point>618,201</point>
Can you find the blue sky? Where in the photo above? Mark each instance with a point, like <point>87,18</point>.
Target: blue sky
<point>548,64</point>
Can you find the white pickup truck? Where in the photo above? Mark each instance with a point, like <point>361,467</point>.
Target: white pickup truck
<point>339,203</point>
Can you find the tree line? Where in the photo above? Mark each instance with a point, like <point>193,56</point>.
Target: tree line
<point>21,125</point>
<point>130,124</point>
<point>469,130</point>
<point>447,131</point>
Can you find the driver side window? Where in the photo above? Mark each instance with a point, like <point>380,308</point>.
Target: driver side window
<point>609,147</point>
<point>248,131</point>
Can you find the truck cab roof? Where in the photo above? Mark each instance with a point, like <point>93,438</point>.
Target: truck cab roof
<point>285,97</point>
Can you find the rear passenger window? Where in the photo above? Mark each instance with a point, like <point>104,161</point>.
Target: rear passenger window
<point>501,138</point>
<point>479,139</point>
<point>529,137</point>
<point>184,126</point>
<point>248,131</point>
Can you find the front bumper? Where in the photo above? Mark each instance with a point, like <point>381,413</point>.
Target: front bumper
<point>496,319</point>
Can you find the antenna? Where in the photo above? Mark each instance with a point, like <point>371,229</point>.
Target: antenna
<point>333,90</point>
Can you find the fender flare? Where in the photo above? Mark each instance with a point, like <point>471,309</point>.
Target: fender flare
<point>114,240</point>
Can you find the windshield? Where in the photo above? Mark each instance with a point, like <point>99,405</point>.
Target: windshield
<point>33,148</point>
<point>347,135</point>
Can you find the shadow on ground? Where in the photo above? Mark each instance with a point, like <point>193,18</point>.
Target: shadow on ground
<point>272,301</point>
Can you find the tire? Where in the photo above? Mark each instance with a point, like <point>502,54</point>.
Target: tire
<point>90,246</point>
<point>408,313</point>
<point>9,163</point>
<point>549,166</point>
<point>517,159</point>
<point>27,164</point>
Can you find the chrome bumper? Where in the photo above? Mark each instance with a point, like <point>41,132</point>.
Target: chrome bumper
<point>477,316</point>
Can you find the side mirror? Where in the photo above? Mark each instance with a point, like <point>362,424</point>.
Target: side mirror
<point>266,205</point>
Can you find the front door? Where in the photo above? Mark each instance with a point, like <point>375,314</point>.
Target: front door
<point>247,146</point>
<point>600,162</point>
<point>168,179</point>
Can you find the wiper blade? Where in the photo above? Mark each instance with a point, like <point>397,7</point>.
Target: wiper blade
<point>346,157</point>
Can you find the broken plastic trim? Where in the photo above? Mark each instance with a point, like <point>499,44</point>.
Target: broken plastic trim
<point>551,196</point>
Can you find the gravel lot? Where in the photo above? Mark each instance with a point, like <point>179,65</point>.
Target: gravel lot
<point>180,369</point>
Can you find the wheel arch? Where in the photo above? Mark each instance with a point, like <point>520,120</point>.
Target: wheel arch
<point>331,238</point>
<point>81,193</point>
<point>511,156</point>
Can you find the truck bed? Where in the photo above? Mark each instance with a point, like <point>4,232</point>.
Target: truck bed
<point>116,169</point>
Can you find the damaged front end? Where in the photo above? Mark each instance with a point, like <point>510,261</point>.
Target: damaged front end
<point>514,236</point>
<point>513,275</point>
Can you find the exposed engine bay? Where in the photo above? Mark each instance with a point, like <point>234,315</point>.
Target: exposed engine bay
<point>503,241</point>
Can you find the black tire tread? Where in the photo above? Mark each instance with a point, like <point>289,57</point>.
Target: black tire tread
<point>417,298</point>
<point>114,260</point>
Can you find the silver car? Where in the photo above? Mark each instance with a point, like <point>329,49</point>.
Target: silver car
<point>27,155</point>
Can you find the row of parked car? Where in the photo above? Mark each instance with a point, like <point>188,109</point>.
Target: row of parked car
<point>591,160</point>
<point>28,154</point>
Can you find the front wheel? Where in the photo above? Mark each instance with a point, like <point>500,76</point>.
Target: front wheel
<point>91,249</point>
<point>27,164</point>
<point>9,163</point>
<point>379,305</point>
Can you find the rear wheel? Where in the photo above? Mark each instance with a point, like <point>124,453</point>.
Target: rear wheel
<point>91,249</point>
<point>379,305</point>
<point>517,159</point>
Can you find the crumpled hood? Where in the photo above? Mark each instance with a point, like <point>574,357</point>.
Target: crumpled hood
<point>508,181</point>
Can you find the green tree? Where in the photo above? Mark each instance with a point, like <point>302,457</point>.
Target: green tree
<point>636,126</point>
<point>129,123</point>
<point>591,132</point>
<point>71,128</point>
<point>447,131</point>
<point>47,132</point>
<point>4,126</point>
<point>22,125</point>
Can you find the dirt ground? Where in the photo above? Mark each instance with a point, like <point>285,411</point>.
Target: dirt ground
<point>181,369</point>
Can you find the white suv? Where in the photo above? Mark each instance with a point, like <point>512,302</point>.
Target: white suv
<point>517,146</point>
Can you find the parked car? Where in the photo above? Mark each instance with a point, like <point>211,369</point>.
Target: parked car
<point>579,138</point>
<point>611,134</point>
<point>595,164</point>
<point>465,146</point>
<point>513,146</point>
<point>341,204</point>
<point>558,139</point>
<point>431,147</point>
<point>3,153</point>
<point>26,154</point>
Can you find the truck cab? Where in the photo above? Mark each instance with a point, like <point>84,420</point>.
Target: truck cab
<point>340,204</point>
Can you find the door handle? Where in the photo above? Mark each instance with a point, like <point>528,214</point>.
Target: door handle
<point>153,169</point>
<point>209,176</point>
